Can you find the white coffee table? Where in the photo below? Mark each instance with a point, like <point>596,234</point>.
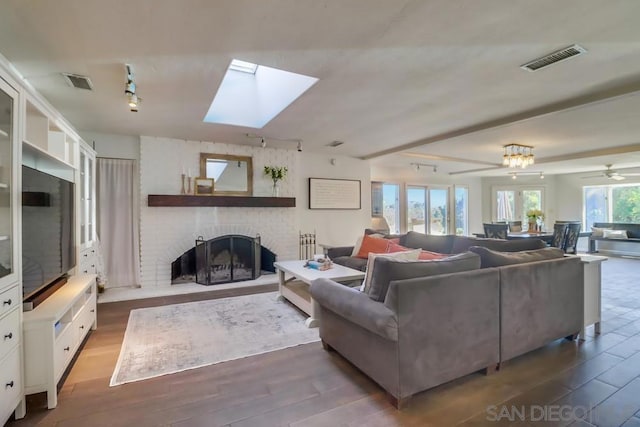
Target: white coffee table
<point>296,288</point>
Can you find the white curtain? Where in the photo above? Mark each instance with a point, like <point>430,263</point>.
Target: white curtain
<point>118,208</point>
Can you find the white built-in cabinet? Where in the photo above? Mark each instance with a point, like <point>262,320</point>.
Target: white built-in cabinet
<point>37,346</point>
<point>87,259</point>
<point>11,373</point>
<point>53,333</point>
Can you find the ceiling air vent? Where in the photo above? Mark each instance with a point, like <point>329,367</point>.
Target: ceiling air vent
<point>552,58</point>
<point>335,144</point>
<point>77,81</point>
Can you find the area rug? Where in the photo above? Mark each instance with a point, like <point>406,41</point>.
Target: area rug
<point>174,338</point>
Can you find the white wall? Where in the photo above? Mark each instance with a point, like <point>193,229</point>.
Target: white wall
<point>333,227</point>
<point>425,176</point>
<point>110,145</point>
<point>168,232</point>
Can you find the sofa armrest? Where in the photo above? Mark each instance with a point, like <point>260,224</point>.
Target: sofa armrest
<point>339,251</point>
<point>356,307</point>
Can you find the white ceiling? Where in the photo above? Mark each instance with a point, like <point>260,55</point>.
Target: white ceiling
<point>393,74</point>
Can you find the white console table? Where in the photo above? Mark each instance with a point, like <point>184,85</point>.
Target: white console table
<point>53,332</point>
<point>592,291</point>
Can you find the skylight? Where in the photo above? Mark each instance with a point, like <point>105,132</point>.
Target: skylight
<point>243,66</point>
<point>254,98</point>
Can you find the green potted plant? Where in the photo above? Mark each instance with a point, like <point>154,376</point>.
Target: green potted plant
<point>277,174</point>
<point>534,215</point>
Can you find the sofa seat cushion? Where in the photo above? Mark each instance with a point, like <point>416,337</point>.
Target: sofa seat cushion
<point>385,270</point>
<point>491,258</point>
<point>351,262</point>
<point>429,242</point>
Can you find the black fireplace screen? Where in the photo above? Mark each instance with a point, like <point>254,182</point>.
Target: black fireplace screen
<point>224,259</point>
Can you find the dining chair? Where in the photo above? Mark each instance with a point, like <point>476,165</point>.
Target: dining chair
<point>571,238</point>
<point>559,232</point>
<point>496,231</point>
<point>515,226</point>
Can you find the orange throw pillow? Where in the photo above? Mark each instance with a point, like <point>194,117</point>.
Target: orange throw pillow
<point>372,245</point>
<point>428,255</point>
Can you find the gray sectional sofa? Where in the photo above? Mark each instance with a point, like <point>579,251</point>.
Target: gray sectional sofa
<point>448,244</point>
<point>441,325</point>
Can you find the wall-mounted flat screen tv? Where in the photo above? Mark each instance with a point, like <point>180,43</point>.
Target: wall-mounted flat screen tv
<point>48,241</point>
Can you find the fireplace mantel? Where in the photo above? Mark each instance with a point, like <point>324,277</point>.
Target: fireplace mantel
<point>187,200</point>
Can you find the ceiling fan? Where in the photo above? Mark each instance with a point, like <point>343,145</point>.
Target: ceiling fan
<point>611,174</point>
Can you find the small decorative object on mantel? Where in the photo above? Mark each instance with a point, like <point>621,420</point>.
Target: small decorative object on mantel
<point>534,216</point>
<point>277,174</point>
<point>203,186</point>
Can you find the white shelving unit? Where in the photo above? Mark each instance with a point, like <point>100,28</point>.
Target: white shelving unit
<point>11,373</point>
<point>53,333</point>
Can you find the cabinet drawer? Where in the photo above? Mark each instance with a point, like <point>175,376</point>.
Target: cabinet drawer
<point>63,350</point>
<point>10,384</point>
<point>10,299</point>
<point>83,322</point>
<point>9,332</point>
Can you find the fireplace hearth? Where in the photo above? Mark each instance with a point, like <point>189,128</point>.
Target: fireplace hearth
<point>224,259</point>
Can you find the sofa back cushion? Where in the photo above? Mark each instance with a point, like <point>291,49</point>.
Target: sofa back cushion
<point>428,242</point>
<point>411,255</point>
<point>490,258</point>
<point>385,270</point>
<point>463,243</point>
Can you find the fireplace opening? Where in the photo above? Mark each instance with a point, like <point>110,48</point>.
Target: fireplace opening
<point>225,259</point>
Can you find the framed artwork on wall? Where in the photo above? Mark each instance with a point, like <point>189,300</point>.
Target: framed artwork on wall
<point>203,186</point>
<point>327,193</point>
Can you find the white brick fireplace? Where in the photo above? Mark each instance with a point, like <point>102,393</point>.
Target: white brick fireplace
<point>167,232</point>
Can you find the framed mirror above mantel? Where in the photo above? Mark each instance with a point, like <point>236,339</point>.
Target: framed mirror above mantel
<point>232,175</point>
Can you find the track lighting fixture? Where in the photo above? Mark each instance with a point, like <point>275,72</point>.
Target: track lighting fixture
<point>130,91</point>
<point>514,175</point>
<point>417,166</point>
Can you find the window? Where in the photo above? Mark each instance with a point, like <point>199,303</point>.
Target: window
<point>611,203</point>
<point>461,210</point>
<point>512,203</point>
<point>428,209</point>
<point>391,206</point>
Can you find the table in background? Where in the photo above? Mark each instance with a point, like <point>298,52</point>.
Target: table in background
<point>296,288</point>
<point>592,291</point>
<point>545,236</point>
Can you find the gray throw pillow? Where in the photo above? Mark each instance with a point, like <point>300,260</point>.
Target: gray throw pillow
<point>386,270</point>
<point>492,258</point>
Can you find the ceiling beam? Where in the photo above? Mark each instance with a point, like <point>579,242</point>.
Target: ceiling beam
<point>591,98</point>
<point>450,159</point>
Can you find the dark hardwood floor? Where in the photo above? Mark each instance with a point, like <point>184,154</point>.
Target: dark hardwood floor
<point>306,386</point>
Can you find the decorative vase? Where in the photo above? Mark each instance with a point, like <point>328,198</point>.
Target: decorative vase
<point>532,227</point>
<point>276,189</point>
